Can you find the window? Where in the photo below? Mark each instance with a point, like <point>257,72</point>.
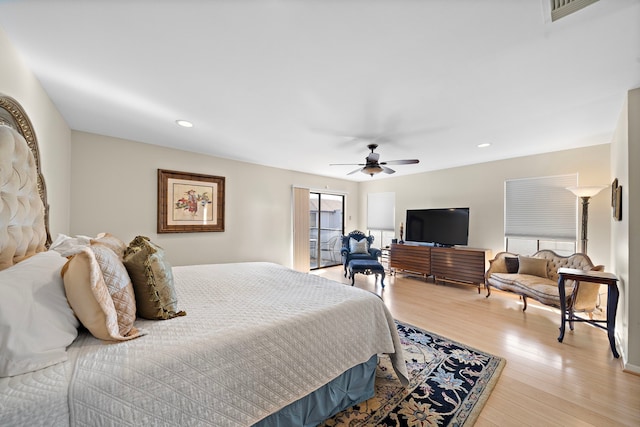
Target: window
<point>381,208</point>
<point>540,213</point>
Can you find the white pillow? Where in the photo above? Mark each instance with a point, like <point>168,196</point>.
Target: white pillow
<point>68,246</point>
<point>358,246</point>
<point>36,322</point>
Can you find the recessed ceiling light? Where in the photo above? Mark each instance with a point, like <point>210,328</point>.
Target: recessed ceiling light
<point>485,145</point>
<point>184,123</point>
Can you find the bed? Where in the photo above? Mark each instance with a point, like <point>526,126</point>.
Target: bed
<point>260,344</point>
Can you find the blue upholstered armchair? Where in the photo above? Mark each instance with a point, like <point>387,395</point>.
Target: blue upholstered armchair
<point>356,245</point>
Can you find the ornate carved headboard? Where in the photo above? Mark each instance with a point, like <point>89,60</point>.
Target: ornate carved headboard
<point>24,212</point>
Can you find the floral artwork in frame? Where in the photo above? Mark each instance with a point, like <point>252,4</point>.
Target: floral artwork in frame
<point>190,202</point>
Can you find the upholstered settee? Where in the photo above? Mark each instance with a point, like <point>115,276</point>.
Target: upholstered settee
<point>536,277</point>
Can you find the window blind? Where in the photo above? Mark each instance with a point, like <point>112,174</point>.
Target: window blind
<point>541,208</point>
<point>381,208</point>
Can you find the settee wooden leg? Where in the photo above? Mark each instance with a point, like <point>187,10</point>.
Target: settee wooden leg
<point>486,285</point>
<point>524,300</point>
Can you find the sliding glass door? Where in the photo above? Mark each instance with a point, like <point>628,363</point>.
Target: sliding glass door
<point>326,227</point>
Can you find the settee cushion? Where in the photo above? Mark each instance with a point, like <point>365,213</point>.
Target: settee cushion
<point>512,264</point>
<point>532,266</point>
<point>541,289</point>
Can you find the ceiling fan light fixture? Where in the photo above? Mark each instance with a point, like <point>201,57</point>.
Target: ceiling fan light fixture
<point>372,169</point>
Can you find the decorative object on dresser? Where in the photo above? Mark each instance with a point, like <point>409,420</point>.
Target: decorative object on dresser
<point>357,245</point>
<point>457,264</point>
<point>536,277</point>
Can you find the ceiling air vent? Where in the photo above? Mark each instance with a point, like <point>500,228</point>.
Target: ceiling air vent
<point>561,8</point>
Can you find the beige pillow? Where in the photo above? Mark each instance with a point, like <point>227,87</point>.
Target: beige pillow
<point>532,266</point>
<point>101,294</point>
<point>111,241</point>
<point>152,280</point>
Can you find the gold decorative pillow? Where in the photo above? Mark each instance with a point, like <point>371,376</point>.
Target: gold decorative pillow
<point>100,293</point>
<point>532,266</point>
<point>152,280</point>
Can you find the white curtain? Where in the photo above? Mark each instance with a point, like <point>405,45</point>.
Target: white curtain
<point>301,255</point>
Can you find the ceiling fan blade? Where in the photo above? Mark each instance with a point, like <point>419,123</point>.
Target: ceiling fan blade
<point>346,164</point>
<point>401,162</point>
<point>354,171</point>
<point>387,170</point>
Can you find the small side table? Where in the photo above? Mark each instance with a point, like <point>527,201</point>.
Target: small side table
<point>601,277</point>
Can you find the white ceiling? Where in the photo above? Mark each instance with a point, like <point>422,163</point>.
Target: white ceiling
<point>291,83</point>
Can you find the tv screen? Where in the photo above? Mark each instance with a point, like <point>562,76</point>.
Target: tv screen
<point>442,227</point>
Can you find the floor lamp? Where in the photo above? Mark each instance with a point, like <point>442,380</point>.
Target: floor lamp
<point>585,193</point>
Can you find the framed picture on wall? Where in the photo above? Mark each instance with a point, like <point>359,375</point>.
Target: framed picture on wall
<point>190,202</point>
<point>617,209</point>
<point>616,199</point>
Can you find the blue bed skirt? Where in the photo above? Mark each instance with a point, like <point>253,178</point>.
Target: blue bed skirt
<point>353,386</point>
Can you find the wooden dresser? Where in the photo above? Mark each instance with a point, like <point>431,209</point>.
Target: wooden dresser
<point>411,258</point>
<point>458,265</point>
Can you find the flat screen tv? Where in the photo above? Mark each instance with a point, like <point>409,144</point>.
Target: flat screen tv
<point>441,227</point>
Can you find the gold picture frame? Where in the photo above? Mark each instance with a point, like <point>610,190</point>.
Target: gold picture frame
<point>190,202</point>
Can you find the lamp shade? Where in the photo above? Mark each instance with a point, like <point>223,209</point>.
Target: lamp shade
<point>588,191</point>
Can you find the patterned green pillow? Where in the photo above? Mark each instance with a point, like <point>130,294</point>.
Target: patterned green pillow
<point>152,280</point>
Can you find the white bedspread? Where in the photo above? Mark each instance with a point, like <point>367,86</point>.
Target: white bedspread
<point>257,336</point>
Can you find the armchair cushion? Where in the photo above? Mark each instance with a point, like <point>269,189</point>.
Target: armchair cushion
<point>358,246</point>
<point>512,264</point>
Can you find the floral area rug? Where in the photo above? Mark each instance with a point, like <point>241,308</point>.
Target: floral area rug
<point>449,384</point>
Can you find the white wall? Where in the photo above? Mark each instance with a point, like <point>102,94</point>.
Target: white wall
<point>481,188</point>
<point>114,189</point>
<point>52,132</point>
<point>625,234</point>
<point>633,214</point>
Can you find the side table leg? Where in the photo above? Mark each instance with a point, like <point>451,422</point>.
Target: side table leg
<point>612,308</point>
<point>563,306</point>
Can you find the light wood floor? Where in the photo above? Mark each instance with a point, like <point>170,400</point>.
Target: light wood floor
<point>545,383</point>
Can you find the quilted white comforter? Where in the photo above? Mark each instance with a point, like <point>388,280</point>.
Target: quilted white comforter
<point>257,336</point>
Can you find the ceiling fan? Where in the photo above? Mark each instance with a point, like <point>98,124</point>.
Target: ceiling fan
<point>373,166</point>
